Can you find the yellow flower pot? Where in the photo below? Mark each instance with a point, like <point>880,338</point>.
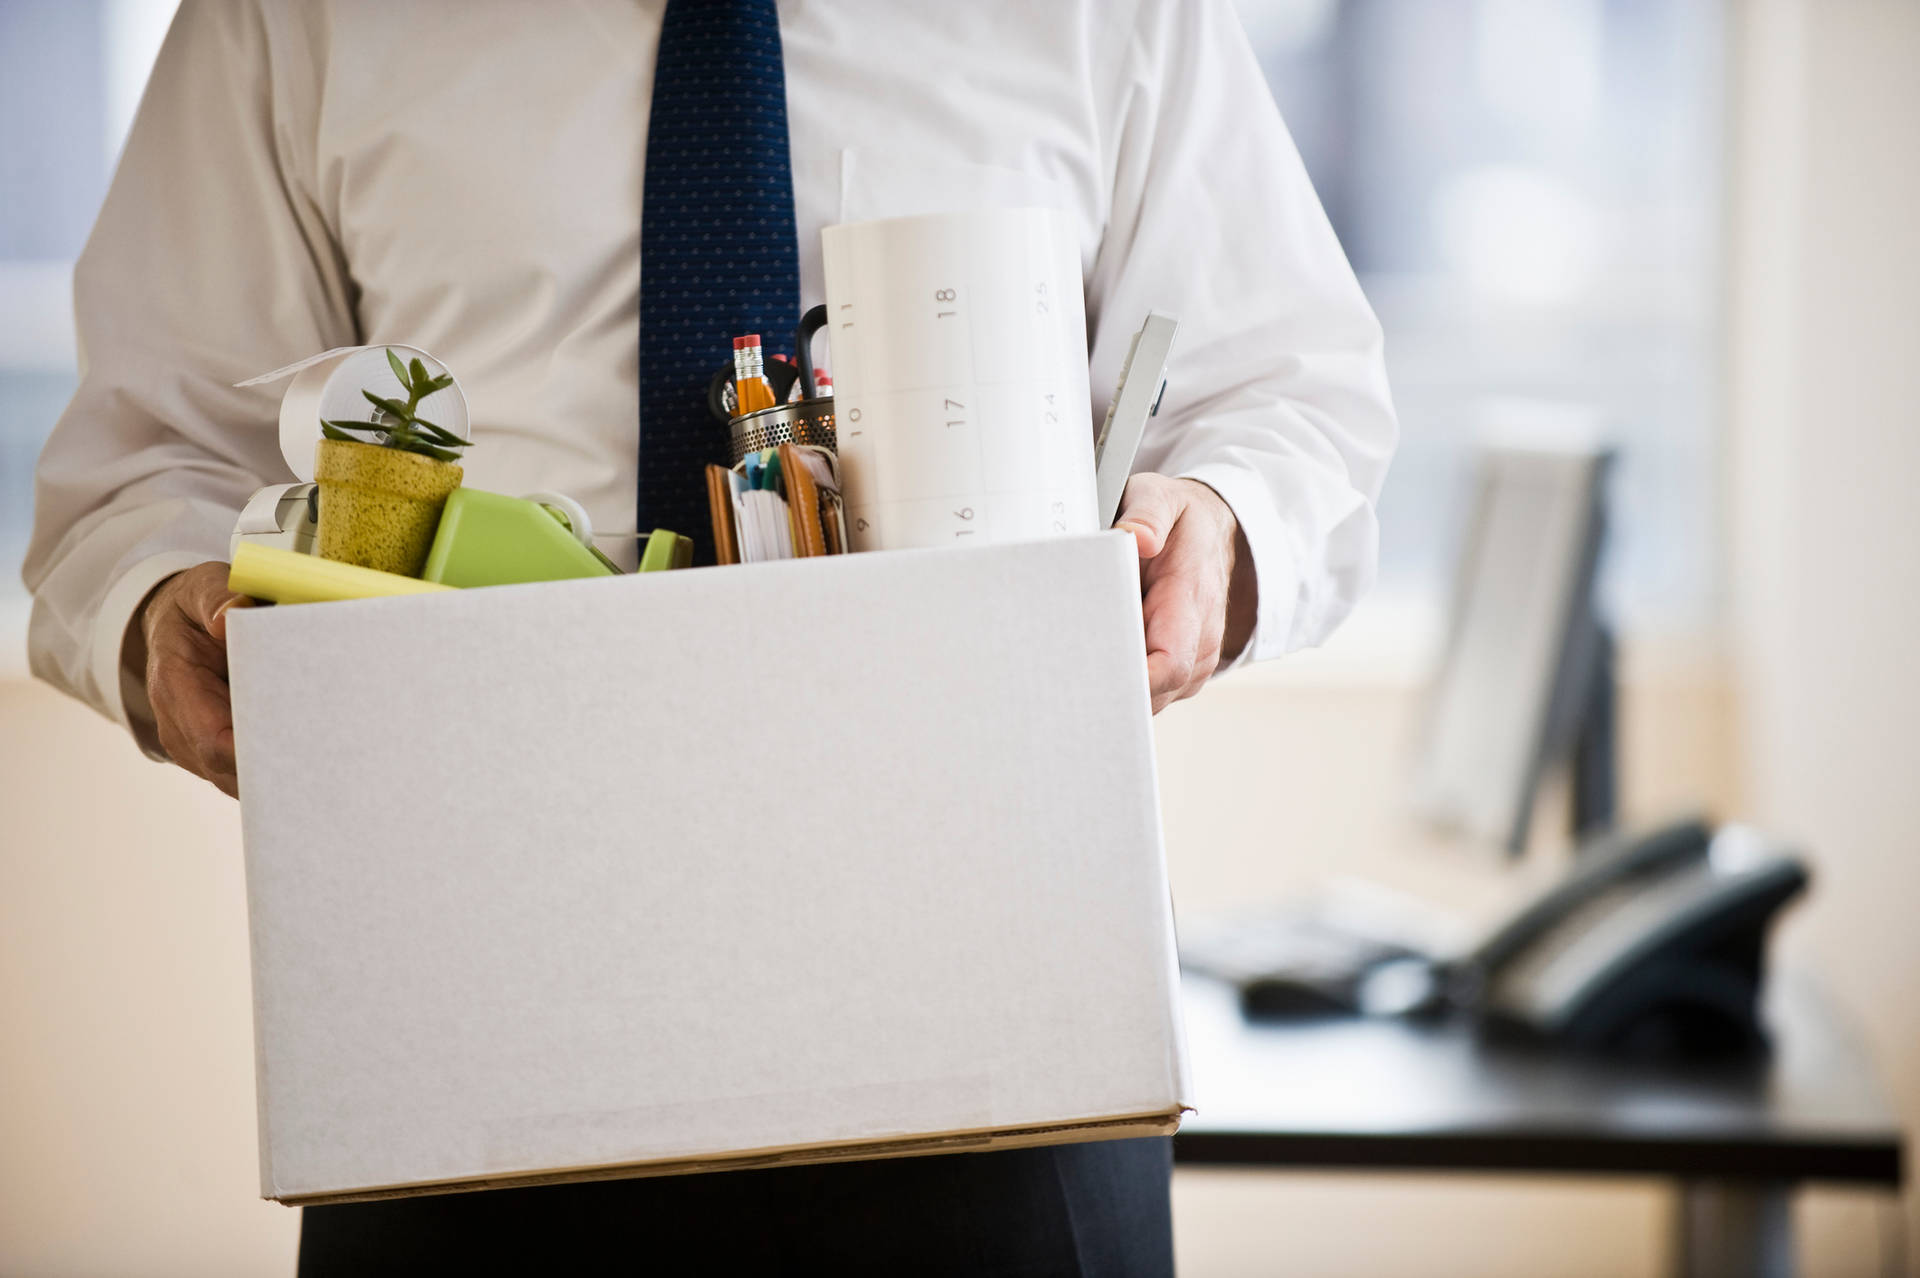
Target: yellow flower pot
<point>379,507</point>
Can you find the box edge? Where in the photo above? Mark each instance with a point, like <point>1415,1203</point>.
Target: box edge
<point>979,1140</point>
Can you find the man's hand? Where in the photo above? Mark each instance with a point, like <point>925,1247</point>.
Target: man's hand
<point>183,630</point>
<point>1196,578</point>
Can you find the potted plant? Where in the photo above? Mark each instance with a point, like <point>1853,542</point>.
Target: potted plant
<point>381,498</point>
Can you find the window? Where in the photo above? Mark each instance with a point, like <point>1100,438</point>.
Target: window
<point>1529,191</point>
<point>71,72</point>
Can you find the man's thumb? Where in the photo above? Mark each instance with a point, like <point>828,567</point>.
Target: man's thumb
<point>217,624</point>
<point>1148,510</point>
<point>207,598</point>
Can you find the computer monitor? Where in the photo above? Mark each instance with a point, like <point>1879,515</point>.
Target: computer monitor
<point>1526,681</point>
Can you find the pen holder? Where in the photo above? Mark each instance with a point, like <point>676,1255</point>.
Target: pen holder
<point>808,422</point>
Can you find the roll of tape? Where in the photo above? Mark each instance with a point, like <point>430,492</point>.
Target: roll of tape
<point>329,387</point>
<point>578,522</point>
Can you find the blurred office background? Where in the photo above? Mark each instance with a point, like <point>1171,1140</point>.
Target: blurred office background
<point>1687,223</point>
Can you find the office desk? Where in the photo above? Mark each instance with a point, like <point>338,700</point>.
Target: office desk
<point>1384,1094</point>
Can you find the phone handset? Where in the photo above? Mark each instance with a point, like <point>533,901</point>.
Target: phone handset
<point>1602,865</point>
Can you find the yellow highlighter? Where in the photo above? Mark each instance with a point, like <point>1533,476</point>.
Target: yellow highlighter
<point>288,577</point>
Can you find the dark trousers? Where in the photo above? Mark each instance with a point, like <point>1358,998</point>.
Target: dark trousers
<point>1092,1209</point>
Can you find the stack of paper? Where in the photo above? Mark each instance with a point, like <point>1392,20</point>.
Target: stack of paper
<point>761,518</point>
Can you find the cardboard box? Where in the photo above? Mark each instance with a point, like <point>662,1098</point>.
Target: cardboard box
<point>825,859</point>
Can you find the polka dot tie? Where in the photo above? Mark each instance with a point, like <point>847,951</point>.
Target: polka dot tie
<point>718,254</point>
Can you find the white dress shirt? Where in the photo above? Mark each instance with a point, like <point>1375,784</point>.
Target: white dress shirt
<point>466,178</point>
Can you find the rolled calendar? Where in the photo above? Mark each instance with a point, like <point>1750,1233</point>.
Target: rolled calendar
<point>960,378</point>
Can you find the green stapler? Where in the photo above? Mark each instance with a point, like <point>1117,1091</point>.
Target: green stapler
<point>488,539</point>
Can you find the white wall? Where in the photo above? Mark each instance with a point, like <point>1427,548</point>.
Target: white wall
<point>1825,369</point>
<point>126,1039</point>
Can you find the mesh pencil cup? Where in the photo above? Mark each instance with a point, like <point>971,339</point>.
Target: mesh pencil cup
<point>809,421</point>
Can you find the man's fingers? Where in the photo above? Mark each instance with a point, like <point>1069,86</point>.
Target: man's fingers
<point>195,718</point>
<point>1184,609</point>
<point>1167,677</point>
<point>1181,650</point>
<point>201,703</point>
<point>1184,533</point>
<point>1149,508</point>
<point>204,598</point>
<point>227,778</point>
<point>1173,623</point>
<point>186,659</point>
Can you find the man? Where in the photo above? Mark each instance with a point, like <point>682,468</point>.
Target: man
<point>469,179</point>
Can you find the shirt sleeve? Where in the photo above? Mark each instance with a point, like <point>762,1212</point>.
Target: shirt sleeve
<point>1277,394</point>
<point>208,264</point>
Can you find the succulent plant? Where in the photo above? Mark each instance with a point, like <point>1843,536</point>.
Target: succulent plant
<point>396,424</point>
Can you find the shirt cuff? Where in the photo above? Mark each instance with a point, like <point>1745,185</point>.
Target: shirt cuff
<point>123,693</point>
<point>1276,572</point>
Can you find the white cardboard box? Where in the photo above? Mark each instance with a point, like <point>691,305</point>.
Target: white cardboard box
<point>835,858</point>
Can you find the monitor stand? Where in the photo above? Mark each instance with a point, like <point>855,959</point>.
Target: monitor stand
<point>1595,751</point>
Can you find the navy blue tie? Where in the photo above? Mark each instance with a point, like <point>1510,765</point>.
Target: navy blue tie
<point>718,255</point>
